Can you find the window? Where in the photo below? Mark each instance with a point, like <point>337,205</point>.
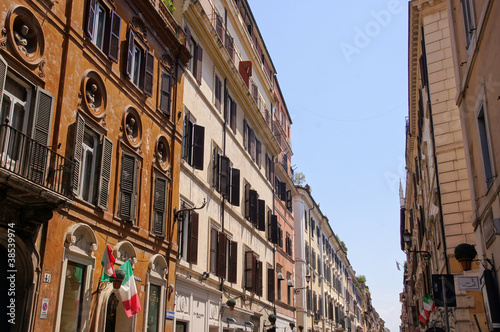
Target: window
<point>251,204</point>
<point>280,236</point>
<point>313,259</point>
<point>140,65</point>
<point>231,113</point>
<point>92,165</point>
<point>289,288</point>
<point>269,168</point>
<point>188,237</point>
<point>103,28</point>
<point>249,140</point>
<point>129,183</point>
<point>161,186</point>
<point>195,63</point>
<point>288,247</point>
<point>193,143</point>
<point>253,273</point>
<point>485,146</point>
<point>157,283</point>
<point>223,256</point>
<point>165,93</point>
<point>270,285</point>
<point>218,92</point>
<point>26,110</point>
<point>468,22</point>
<point>153,308</point>
<point>225,178</point>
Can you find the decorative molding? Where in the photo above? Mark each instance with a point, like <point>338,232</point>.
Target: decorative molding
<point>81,238</point>
<point>124,251</point>
<point>138,24</point>
<point>131,129</point>
<point>158,265</point>
<point>167,60</point>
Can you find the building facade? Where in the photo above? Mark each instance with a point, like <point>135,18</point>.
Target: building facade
<point>227,265</point>
<point>474,40</point>
<point>89,142</point>
<point>436,209</point>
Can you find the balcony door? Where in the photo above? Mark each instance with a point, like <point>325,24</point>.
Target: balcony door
<point>14,120</point>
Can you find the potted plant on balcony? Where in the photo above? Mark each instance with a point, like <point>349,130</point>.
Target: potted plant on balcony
<point>292,325</point>
<point>465,253</point>
<point>231,303</point>
<point>301,327</point>
<point>272,318</point>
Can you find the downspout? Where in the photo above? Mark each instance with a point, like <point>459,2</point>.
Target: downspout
<point>223,204</point>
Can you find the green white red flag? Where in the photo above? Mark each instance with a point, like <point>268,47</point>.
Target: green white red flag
<point>108,261</point>
<point>429,306</point>
<point>128,291</point>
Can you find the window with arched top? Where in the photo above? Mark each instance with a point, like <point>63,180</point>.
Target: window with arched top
<point>76,279</point>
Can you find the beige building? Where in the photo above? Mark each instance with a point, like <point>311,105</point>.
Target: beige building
<point>436,210</point>
<point>475,41</point>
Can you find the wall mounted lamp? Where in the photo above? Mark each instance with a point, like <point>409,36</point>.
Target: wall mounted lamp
<point>179,214</point>
<point>407,238</point>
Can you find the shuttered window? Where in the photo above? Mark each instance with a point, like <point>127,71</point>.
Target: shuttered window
<point>159,206</point>
<point>258,278</point>
<point>253,206</point>
<point>274,229</point>
<point>193,143</point>
<point>128,187</point>
<point>250,268</point>
<point>213,250</point>
<point>225,171</point>
<point>270,285</point>
<point>198,60</point>
<point>235,187</point>
<point>193,238</point>
<point>261,215</point>
<point>103,28</point>
<point>198,146</point>
<point>289,200</point>
<point>166,91</point>
<point>92,162</point>
<point>221,255</point>
<point>233,262</point>
<point>218,92</point>
<point>140,65</point>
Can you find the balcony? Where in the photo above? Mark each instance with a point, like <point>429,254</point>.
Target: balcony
<point>34,171</point>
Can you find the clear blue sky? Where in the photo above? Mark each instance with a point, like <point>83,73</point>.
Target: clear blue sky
<point>342,67</point>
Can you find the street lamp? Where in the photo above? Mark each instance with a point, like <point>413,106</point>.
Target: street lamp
<point>308,278</point>
<point>407,238</point>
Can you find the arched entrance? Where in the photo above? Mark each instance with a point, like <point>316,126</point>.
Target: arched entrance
<point>114,318</point>
<point>21,288</point>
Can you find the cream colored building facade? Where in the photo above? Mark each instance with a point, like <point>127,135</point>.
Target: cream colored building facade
<point>437,207</point>
<point>227,244</point>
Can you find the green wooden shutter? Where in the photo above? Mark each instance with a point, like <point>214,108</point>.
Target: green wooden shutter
<point>77,157</point>
<point>261,215</point>
<point>235,187</point>
<point>128,187</point>
<point>224,172</point>
<point>249,271</point>
<point>270,285</point>
<point>105,176</point>
<point>159,204</point>
<point>41,130</point>
<point>149,74</point>
<point>233,262</point>
<point>193,238</point>
<point>198,146</point>
<point>221,255</point>
<point>166,83</point>
<point>114,37</point>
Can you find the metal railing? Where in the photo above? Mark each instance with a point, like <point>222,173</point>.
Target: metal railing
<point>28,159</point>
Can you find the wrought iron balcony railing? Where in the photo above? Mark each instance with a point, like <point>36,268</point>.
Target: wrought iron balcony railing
<point>34,162</point>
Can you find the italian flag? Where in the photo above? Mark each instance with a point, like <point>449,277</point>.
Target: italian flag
<point>108,261</point>
<point>429,306</point>
<point>128,291</point>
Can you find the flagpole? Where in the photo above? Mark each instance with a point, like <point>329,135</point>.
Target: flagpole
<point>445,300</point>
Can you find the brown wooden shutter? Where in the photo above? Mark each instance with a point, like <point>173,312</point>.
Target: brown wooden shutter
<point>258,278</point>
<point>166,88</point>
<point>77,157</point>
<point>221,255</point>
<point>218,92</point>
<point>105,175</point>
<point>198,146</point>
<point>128,187</point>
<point>252,143</point>
<point>193,238</point>
<point>253,206</point>
<point>218,26</point>
<point>258,148</point>
<point>199,61</point>
<point>274,229</point>
<point>283,191</point>
<point>233,262</point>
<point>213,250</point>
<point>249,271</point>
<point>225,171</point>
<point>235,187</point>
<point>41,130</point>
<point>159,203</point>
<point>149,74</point>
<point>114,37</point>
<point>261,215</point>
<point>229,45</point>
<point>91,17</point>
<point>233,116</point>
<point>271,285</point>
<point>130,54</point>
<point>289,200</point>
